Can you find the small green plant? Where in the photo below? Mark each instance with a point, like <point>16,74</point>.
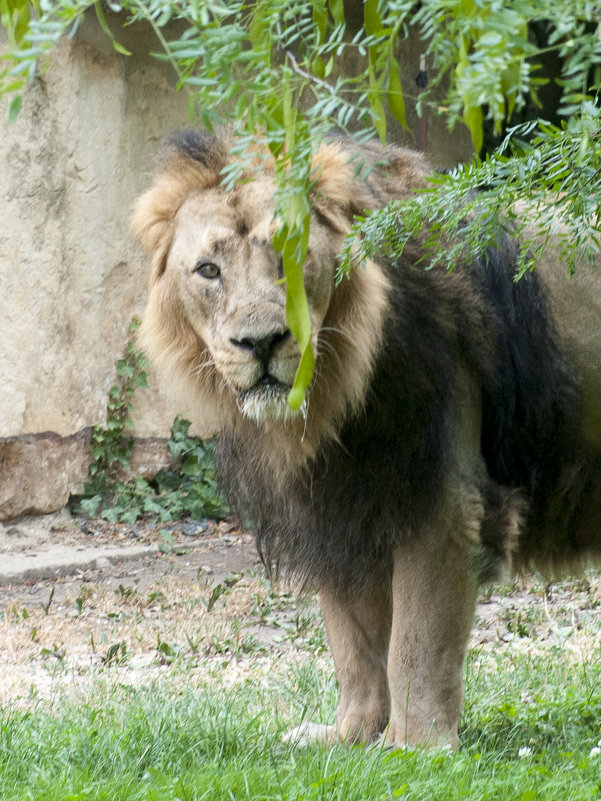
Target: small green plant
<point>112,444</point>
<point>166,652</point>
<point>84,595</point>
<point>518,624</point>
<point>192,489</point>
<point>56,651</point>
<point>223,589</point>
<point>126,593</point>
<point>156,597</point>
<point>187,490</point>
<point>167,544</point>
<point>115,655</point>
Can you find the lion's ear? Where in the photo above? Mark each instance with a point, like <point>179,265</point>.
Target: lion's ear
<point>153,218</point>
<point>351,181</point>
<point>191,161</point>
<point>332,197</point>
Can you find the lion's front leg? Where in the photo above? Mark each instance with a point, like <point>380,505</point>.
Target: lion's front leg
<point>434,595</point>
<point>358,630</point>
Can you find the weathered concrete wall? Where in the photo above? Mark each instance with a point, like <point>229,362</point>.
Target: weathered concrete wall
<point>70,277</point>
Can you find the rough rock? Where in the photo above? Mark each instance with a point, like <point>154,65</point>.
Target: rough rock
<point>39,472</point>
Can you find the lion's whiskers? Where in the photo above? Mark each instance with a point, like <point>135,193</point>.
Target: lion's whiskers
<point>202,362</point>
<point>338,331</point>
<point>328,350</point>
<point>201,368</point>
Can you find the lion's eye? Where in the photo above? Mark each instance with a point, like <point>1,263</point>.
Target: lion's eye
<point>207,269</point>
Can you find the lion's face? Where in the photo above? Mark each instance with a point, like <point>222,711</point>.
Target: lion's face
<point>229,282</point>
<point>215,324</point>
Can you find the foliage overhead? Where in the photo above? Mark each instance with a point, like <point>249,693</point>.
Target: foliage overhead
<point>281,72</point>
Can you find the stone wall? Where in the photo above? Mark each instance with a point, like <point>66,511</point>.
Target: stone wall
<point>70,276</point>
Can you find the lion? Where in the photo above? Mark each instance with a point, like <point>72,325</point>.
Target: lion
<point>453,425</point>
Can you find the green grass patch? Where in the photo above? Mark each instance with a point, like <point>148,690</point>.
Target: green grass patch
<point>530,731</point>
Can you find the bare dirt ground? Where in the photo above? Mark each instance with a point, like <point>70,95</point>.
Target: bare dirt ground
<point>132,602</point>
<point>190,600</point>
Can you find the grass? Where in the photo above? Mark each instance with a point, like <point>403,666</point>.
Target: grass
<point>193,701</point>
<point>529,732</point>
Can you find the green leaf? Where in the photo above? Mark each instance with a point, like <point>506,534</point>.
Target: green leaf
<point>302,379</point>
<point>14,107</point>
<point>130,516</point>
<point>297,310</point>
<point>135,323</point>
<point>378,113</point>
<point>15,16</point>
<point>91,505</point>
<point>191,468</point>
<point>167,544</point>
<point>337,10</point>
<point>111,515</point>
<point>318,67</point>
<point>371,17</point>
<point>473,118</point>
<point>396,100</point>
<point>320,19</point>
<point>105,27</point>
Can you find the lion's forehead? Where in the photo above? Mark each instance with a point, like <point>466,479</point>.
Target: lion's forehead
<point>216,216</point>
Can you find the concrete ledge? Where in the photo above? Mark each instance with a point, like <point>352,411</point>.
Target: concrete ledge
<point>62,560</point>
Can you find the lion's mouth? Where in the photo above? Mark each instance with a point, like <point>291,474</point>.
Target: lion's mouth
<point>269,380</point>
<point>266,400</point>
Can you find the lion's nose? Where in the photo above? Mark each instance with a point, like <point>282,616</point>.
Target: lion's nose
<point>263,348</point>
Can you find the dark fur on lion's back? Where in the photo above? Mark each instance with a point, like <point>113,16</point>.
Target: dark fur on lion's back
<point>381,481</point>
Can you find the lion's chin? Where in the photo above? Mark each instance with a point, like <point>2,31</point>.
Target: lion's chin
<point>266,402</point>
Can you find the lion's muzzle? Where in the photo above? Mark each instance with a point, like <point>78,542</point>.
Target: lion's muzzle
<point>263,348</point>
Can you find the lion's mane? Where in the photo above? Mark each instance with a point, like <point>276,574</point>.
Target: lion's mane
<point>331,496</point>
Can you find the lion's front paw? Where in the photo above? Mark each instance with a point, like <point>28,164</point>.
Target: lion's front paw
<point>419,737</point>
<point>309,733</point>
